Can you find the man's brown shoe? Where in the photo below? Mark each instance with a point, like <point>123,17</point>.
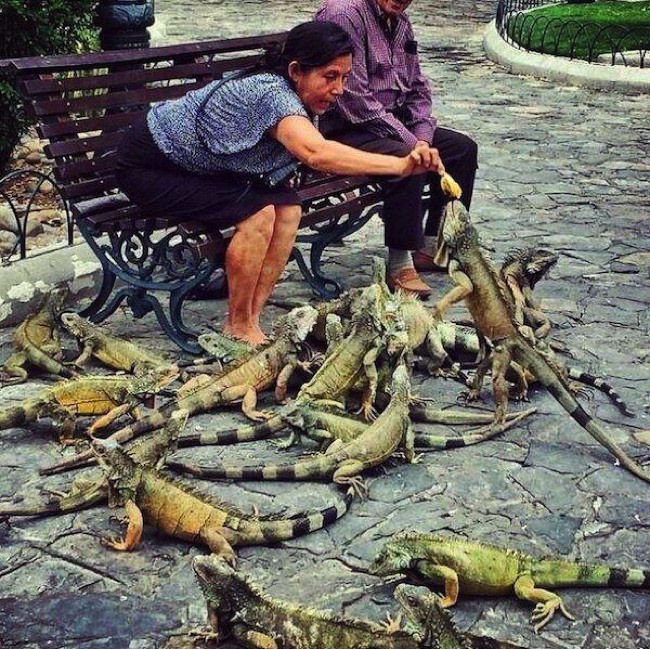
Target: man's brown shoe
<point>425,263</point>
<point>409,281</point>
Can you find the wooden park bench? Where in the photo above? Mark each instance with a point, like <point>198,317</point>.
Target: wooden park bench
<point>83,104</point>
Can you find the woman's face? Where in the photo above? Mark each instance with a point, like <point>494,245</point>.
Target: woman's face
<point>319,88</point>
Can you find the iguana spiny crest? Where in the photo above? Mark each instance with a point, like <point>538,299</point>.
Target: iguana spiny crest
<point>531,264</point>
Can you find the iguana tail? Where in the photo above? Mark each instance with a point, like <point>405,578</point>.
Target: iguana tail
<point>50,365</point>
<point>234,435</point>
<point>315,469</point>
<point>599,384</point>
<point>250,532</point>
<point>489,431</point>
<point>152,421</point>
<point>54,506</point>
<point>557,573</point>
<point>555,385</point>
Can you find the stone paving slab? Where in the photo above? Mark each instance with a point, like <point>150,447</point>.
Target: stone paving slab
<point>561,166</point>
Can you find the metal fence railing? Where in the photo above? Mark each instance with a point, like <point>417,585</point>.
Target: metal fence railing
<point>521,26</point>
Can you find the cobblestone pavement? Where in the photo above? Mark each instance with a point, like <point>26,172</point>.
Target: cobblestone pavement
<point>561,166</point>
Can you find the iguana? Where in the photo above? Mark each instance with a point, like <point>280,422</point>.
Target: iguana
<point>237,608</point>
<point>520,271</point>
<point>342,462</point>
<point>173,509</point>
<point>108,396</point>
<point>37,342</point>
<point>374,327</point>
<point>477,283</point>
<point>324,425</point>
<point>480,569</point>
<point>110,350</point>
<point>272,365</point>
<point>88,490</point>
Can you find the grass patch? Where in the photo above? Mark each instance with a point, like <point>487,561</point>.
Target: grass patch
<point>583,31</point>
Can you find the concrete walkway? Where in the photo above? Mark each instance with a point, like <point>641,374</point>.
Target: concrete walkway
<point>561,166</point>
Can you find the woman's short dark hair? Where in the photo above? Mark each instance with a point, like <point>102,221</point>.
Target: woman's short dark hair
<point>312,45</point>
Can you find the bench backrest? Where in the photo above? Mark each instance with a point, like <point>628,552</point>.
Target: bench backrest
<point>83,103</point>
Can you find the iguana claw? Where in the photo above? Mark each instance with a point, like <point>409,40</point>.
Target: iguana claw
<point>392,625</point>
<point>544,612</point>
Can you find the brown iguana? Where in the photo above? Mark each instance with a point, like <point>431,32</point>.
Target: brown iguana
<point>37,342</point>
<point>520,271</point>
<point>342,462</point>
<point>173,509</point>
<point>237,608</point>
<point>115,352</point>
<point>87,491</point>
<point>477,283</point>
<point>108,396</point>
<point>272,365</point>
<point>480,569</point>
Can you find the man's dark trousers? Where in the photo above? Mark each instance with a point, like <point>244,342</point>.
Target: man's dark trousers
<point>403,210</point>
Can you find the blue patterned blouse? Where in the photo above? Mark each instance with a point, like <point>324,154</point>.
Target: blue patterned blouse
<point>229,131</point>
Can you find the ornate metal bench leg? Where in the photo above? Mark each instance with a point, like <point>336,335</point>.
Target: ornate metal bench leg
<point>106,288</point>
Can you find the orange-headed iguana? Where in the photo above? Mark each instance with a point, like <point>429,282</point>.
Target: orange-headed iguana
<point>473,568</point>
<point>477,282</point>
<point>173,509</point>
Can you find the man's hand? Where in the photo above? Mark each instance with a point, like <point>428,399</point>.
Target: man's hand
<point>423,158</point>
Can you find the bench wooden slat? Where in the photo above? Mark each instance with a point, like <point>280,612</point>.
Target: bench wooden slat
<point>182,53</point>
<point>97,186</point>
<point>76,146</point>
<point>126,98</point>
<point>114,79</point>
<point>74,125</point>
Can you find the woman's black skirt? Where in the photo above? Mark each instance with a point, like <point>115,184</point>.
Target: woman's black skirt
<point>162,188</point>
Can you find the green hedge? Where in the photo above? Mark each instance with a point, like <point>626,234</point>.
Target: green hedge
<point>583,30</point>
<point>32,27</point>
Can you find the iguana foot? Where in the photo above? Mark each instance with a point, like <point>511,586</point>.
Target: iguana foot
<point>115,543</point>
<point>206,635</point>
<point>358,485</point>
<point>392,625</point>
<point>468,396</point>
<point>260,415</point>
<point>544,611</point>
<point>579,390</point>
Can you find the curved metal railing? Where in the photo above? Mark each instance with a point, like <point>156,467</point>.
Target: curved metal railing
<point>525,29</point>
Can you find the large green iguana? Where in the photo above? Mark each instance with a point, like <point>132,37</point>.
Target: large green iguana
<point>108,396</point>
<point>88,490</point>
<point>375,327</point>
<point>325,424</point>
<point>110,350</point>
<point>342,462</point>
<point>272,365</point>
<point>37,342</point>
<point>477,283</point>
<point>237,608</point>
<point>479,569</point>
<point>174,510</point>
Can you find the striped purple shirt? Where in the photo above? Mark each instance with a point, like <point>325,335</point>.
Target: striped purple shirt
<point>386,81</point>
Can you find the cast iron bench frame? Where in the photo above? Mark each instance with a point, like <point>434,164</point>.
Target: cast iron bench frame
<point>83,103</point>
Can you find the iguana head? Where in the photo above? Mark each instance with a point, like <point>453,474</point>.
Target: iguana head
<point>151,381</point>
<point>391,559</point>
<point>120,470</point>
<point>401,381</point>
<point>533,263</point>
<point>299,322</point>
<point>73,322</point>
<point>216,578</point>
<point>427,620</point>
<point>457,230</point>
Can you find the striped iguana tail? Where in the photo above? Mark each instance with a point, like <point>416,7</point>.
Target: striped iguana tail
<point>239,531</point>
<point>555,385</point>
<point>250,433</point>
<point>318,468</point>
<point>560,573</point>
<point>600,384</point>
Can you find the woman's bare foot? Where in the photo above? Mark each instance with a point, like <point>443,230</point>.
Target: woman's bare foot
<point>251,335</point>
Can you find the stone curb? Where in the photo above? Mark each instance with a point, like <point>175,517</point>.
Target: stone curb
<point>592,75</point>
<point>24,284</point>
